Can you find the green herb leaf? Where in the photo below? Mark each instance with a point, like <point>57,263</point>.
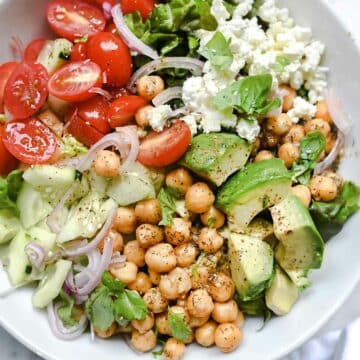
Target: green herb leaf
<point>115,286</point>
<point>218,52</point>
<point>15,181</point>
<point>83,39</point>
<point>168,206</point>
<point>195,267</point>
<point>9,190</point>
<point>65,312</point>
<point>304,93</point>
<point>211,222</point>
<point>130,305</point>
<point>70,147</point>
<point>282,61</point>
<point>178,329</point>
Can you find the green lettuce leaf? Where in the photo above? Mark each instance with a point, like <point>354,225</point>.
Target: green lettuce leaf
<point>168,206</point>
<point>9,190</point>
<point>65,311</point>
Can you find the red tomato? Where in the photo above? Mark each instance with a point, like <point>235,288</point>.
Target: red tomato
<point>83,131</point>
<point>166,147</point>
<point>94,112</point>
<point>113,56</point>
<point>33,49</point>
<point>123,109</point>
<point>5,72</point>
<point>73,81</point>
<point>79,52</point>
<point>111,28</point>
<point>74,19</point>
<point>30,141</point>
<point>145,7</point>
<point>26,90</point>
<point>7,162</point>
<point>100,2</point>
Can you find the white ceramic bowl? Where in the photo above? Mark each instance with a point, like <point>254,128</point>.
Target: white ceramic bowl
<point>331,285</point>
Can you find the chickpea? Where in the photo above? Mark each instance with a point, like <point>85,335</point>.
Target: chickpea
<point>191,338</point>
<point>173,349</point>
<point>195,322</point>
<point>181,278</point>
<point>155,301</point>
<point>199,303</point>
<point>213,217</point>
<point>336,177</point>
<point>142,116</point>
<point>118,241</point>
<point>135,253</point>
<point>228,337</point>
<point>269,140</point>
<point>201,280</point>
<point>143,342</point>
<point>125,273</point>
<point>142,326</point>
<point>148,235</point>
<point>225,312</point>
<point>317,125</point>
<point>186,254</point>
<point>323,188</point>
<point>288,99</point>
<point>221,287</point>
<point>127,329</point>
<point>289,153</point>
<point>303,193</point>
<point>168,288</point>
<point>181,302</point>
<point>176,309</point>
<point>125,221</point>
<point>154,277</point>
<point>179,179</point>
<point>239,322</point>
<point>210,241</point>
<point>107,333</point>
<point>161,258</point>
<point>280,125</point>
<point>179,232</point>
<point>295,134</point>
<point>264,155</point>
<point>141,284</point>
<point>205,334</point>
<point>107,163</point>
<point>148,211</point>
<point>322,112</point>
<point>199,198</point>
<point>150,86</point>
<point>162,324</point>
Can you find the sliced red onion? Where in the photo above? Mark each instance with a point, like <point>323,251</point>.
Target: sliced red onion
<point>17,48</point>
<point>35,254</point>
<point>128,36</point>
<point>194,65</point>
<point>107,10</point>
<point>179,112</point>
<point>167,95</point>
<point>118,259</point>
<point>101,92</point>
<point>131,137</point>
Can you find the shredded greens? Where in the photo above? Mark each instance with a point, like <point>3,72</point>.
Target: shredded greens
<point>9,191</point>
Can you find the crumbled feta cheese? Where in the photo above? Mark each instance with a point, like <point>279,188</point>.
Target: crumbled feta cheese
<point>192,120</point>
<point>248,130</point>
<point>158,117</point>
<point>218,11</point>
<point>302,110</point>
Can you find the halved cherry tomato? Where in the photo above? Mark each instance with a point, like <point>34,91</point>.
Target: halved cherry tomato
<point>7,162</point>
<point>94,111</point>
<point>30,141</point>
<point>74,19</point>
<point>73,81</point>
<point>26,90</point>
<point>145,7</point>
<point>33,49</point>
<point>5,72</point>
<point>79,52</point>
<point>111,28</point>
<point>166,147</point>
<point>113,56</point>
<point>83,131</point>
<point>124,108</point>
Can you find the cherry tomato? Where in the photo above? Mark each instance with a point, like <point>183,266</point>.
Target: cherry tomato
<point>5,72</point>
<point>94,111</point>
<point>73,81</point>
<point>83,131</point>
<point>30,141</point>
<point>7,162</point>
<point>79,52</point>
<point>166,147</point>
<point>74,19</point>
<point>33,49</point>
<point>113,56</point>
<point>123,109</point>
<point>111,28</point>
<point>100,2</point>
<point>145,7</point>
<point>26,90</point>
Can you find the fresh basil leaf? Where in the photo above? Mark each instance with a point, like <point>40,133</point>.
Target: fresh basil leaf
<point>218,52</point>
<point>168,206</point>
<point>115,286</point>
<point>312,145</point>
<point>282,61</point>
<point>65,311</point>
<point>270,105</point>
<point>178,328</point>
<point>130,306</point>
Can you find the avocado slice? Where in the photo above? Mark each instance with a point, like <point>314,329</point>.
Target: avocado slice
<point>263,230</point>
<point>251,264</point>
<point>216,156</point>
<point>282,294</point>
<point>299,278</point>
<point>301,246</point>
<point>253,189</point>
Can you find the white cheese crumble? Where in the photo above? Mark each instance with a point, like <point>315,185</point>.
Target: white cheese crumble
<point>249,130</point>
<point>302,110</point>
<point>158,117</point>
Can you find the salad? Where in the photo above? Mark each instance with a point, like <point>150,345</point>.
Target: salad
<point>167,167</point>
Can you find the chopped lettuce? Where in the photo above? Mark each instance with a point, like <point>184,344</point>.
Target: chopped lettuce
<point>9,190</point>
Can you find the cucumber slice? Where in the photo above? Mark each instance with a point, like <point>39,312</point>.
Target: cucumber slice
<point>97,183</point>
<point>50,285</point>
<point>9,226</point>
<point>44,237</point>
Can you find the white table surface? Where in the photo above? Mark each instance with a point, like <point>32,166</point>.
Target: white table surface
<point>11,349</point>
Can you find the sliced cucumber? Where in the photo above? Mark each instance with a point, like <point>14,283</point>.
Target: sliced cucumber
<point>9,226</point>
<point>97,183</point>
<point>50,285</point>
<point>43,237</point>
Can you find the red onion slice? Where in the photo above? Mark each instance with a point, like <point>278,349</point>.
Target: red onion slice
<point>130,135</point>
<point>106,6</point>
<point>118,259</point>
<point>17,48</point>
<point>128,36</point>
<point>167,95</point>
<point>35,254</point>
<point>101,92</point>
<point>194,65</point>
